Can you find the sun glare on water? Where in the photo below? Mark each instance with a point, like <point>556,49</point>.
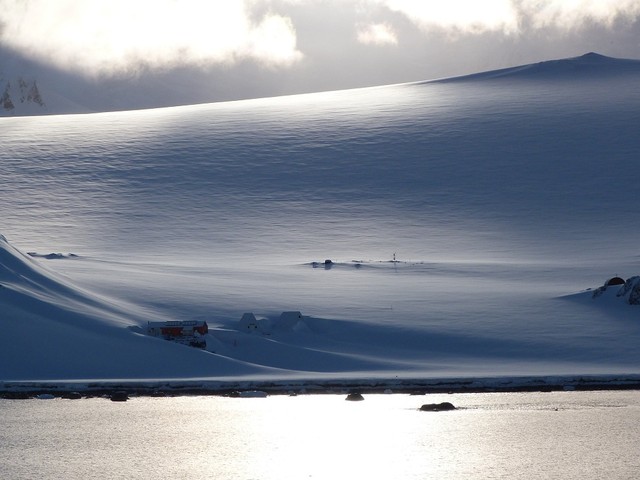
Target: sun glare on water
<point>501,435</point>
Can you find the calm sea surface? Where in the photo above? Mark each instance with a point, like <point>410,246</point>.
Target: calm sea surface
<point>569,435</point>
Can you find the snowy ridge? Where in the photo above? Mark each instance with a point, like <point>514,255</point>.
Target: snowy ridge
<point>27,283</point>
<point>590,66</point>
<point>25,93</point>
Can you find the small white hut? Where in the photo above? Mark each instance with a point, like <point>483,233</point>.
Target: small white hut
<point>288,320</point>
<point>249,323</point>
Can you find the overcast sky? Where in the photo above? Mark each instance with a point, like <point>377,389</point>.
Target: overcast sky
<point>285,46</point>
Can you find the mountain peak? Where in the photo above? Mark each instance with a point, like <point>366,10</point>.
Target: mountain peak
<point>591,65</point>
<point>593,55</point>
<point>594,58</point>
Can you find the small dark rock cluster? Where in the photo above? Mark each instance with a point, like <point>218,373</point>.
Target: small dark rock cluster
<point>631,290</point>
<point>628,289</point>
<point>327,264</point>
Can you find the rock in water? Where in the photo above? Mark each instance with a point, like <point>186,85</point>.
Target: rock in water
<point>119,396</point>
<point>354,397</point>
<point>437,407</point>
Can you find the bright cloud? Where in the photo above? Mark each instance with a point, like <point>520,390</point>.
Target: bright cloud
<point>116,35</point>
<point>274,41</point>
<point>377,34</point>
<point>113,36</point>
<point>463,15</point>
<point>511,16</point>
<point>571,14</point>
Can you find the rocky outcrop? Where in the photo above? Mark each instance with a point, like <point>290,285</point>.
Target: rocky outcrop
<point>5,101</point>
<point>631,291</point>
<point>612,282</point>
<point>29,92</point>
<point>634,296</point>
<point>355,397</point>
<point>628,290</point>
<point>18,94</point>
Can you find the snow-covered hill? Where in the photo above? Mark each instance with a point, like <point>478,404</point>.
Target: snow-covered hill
<point>56,330</point>
<point>466,222</point>
<point>33,89</point>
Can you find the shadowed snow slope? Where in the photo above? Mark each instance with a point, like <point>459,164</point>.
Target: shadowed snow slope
<point>53,330</point>
<point>461,217</point>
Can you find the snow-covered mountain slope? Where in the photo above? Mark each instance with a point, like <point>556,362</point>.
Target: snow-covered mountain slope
<point>54,330</point>
<point>465,221</point>
<point>62,93</point>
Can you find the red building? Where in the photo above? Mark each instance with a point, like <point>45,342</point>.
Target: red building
<point>189,332</point>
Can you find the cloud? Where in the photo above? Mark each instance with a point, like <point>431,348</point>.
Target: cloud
<point>377,34</point>
<point>114,36</point>
<point>100,36</point>
<point>273,41</point>
<point>511,16</point>
<point>461,15</point>
<point>577,14</point>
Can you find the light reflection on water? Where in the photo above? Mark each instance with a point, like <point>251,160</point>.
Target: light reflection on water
<point>570,435</point>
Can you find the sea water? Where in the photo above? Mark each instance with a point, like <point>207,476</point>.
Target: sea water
<point>569,435</point>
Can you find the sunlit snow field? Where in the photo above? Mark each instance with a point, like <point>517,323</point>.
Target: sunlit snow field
<point>498,197</point>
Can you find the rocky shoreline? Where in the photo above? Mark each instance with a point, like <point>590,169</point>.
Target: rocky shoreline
<point>132,388</point>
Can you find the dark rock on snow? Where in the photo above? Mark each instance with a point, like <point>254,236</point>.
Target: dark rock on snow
<point>631,290</point>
